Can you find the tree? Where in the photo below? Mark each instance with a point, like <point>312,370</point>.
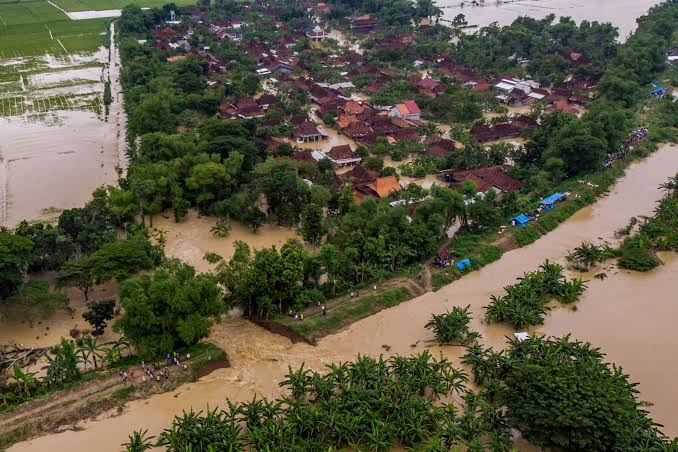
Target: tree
<point>122,258</point>
<point>556,390</point>
<point>62,363</point>
<point>312,227</point>
<point>580,151</point>
<point>98,313</point>
<point>169,309</point>
<point>452,327</point>
<point>89,348</point>
<point>222,228</point>
<point>25,380</point>
<point>77,273</point>
<point>15,256</point>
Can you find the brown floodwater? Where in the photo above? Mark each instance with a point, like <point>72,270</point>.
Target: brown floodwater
<point>621,13</point>
<point>55,161</point>
<point>192,238</point>
<point>619,314</point>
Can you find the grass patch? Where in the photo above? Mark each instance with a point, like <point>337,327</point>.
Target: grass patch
<point>346,313</point>
<point>123,393</point>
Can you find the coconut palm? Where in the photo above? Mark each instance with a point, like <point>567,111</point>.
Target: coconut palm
<point>671,185</point>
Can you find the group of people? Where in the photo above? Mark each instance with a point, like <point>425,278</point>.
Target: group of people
<point>300,315</point>
<point>635,136</point>
<point>155,372</point>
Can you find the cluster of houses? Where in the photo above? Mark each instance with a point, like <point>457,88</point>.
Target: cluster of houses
<point>358,120</point>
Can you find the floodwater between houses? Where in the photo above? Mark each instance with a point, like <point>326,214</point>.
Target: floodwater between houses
<point>628,315</point>
<point>621,13</point>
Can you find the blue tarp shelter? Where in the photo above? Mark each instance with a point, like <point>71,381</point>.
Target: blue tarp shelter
<point>659,92</point>
<point>464,264</point>
<point>520,220</point>
<point>548,203</point>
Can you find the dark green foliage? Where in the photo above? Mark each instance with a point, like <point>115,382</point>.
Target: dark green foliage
<point>172,308</point>
<point>366,404</point>
<point>51,247</point>
<point>98,314</point>
<point>526,303</point>
<point>15,256</point>
<point>557,389</point>
<point>453,327</point>
<point>588,255</point>
<point>659,233</point>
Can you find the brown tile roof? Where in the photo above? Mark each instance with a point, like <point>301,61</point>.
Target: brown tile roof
<point>341,152</point>
<point>384,186</point>
<point>353,108</point>
<point>359,176</point>
<point>346,120</point>
<point>484,178</point>
<point>307,129</point>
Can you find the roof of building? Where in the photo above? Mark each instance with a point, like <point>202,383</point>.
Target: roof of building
<point>341,152</point>
<point>360,176</point>
<point>409,107</point>
<point>484,178</point>
<point>384,186</point>
<point>306,129</point>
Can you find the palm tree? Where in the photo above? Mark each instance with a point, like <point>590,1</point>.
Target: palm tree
<point>25,380</point>
<point>88,347</point>
<point>139,442</point>
<point>671,185</point>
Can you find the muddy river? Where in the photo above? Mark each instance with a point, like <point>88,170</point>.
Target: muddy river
<point>622,13</point>
<point>630,316</point>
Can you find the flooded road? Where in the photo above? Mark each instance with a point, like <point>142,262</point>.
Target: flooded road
<point>621,13</point>
<point>260,359</point>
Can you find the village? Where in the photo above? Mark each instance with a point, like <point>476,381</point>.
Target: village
<point>337,119</point>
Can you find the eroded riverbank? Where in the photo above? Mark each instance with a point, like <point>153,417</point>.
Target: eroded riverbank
<point>260,359</point>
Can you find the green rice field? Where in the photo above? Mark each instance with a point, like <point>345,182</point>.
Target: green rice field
<point>25,30</point>
<point>25,25</point>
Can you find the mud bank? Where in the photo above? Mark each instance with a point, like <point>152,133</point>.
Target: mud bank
<point>260,358</point>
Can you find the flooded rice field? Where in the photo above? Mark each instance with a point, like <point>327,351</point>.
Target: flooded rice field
<point>57,144</point>
<point>192,238</point>
<point>622,13</point>
<point>627,315</point>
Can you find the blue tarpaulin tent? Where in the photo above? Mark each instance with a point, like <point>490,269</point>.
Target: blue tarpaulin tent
<point>659,92</point>
<point>463,264</point>
<point>520,220</point>
<point>547,203</point>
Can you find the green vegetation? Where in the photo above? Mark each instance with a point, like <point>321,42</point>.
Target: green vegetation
<point>399,402</point>
<point>452,327</point>
<point>526,302</point>
<point>170,309</point>
<point>659,233</point>
<point>554,390</point>
<point>588,255</point>
<point>347,312</point>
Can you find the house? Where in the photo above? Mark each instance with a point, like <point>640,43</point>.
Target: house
<point>228,110</point>
<point>437,146</point>
<point>308,131</point>
<point>316,33</point>
<point>429,86</point>
<point>267,101</point>
<point>352,107</point>
<point>362,24</point>
<point>495,132</point>
<point>516,92</point>
<point>343,155</point>
<point>484,179</point>
<point>358,175</point>
<point>407,110</point>
<point>382,187</point>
